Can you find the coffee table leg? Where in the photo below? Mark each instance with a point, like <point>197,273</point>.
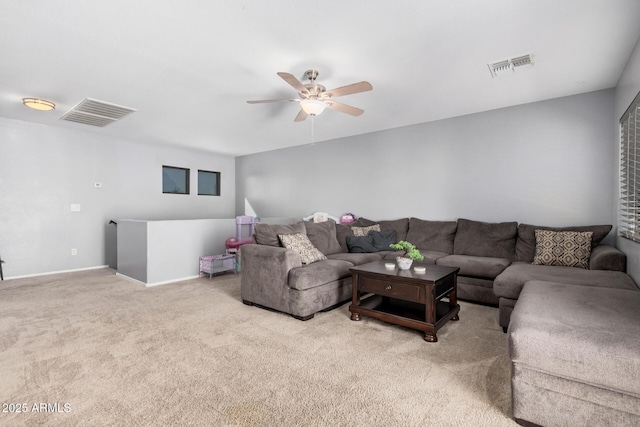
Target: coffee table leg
<point>355,316</point>
<point>453,298</point>
<point>430,337</point>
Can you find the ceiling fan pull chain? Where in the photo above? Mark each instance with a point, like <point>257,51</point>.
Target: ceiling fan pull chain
<point>312,140</point>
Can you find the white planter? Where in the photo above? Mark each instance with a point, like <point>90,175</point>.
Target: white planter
<point>404,263</point>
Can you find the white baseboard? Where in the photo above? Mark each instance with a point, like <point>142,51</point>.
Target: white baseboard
<point>97,267</point>
<point>148,285</point>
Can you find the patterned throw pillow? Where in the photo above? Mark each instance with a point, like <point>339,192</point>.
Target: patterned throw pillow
<point>363,231</point>
<point>301,244</point>
<point>565,248</point>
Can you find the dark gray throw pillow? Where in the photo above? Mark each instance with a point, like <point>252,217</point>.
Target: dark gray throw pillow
<point>382,239</point>
<point>375,241</point>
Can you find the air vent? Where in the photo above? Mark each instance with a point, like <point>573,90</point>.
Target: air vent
<point>96,113</point>
<point>510,64</point>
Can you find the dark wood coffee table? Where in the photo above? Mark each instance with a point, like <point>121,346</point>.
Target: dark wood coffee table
<point>405,297</point>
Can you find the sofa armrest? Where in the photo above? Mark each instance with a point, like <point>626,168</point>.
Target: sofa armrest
<point>265,275</point>
<point>268,262</point>
<point>605,257</point>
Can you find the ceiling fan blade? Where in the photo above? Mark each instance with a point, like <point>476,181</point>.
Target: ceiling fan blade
<point>301,116</point>
<point>349,89</point>
<point>344,108</point>
<point>264,101</point>
<point>297,84</point>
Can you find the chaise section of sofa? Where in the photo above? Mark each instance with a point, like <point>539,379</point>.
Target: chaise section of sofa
<point>606,267</point>
<point>574,353</point>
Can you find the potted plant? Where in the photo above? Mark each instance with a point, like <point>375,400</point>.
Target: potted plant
<point>411,253</point>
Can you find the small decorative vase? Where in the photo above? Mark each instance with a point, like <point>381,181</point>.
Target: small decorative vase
<point>404,263</point>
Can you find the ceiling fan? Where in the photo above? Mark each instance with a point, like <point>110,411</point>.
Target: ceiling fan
<point>314,97</point>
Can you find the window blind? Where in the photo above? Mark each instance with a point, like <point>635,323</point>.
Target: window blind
<point>629,221</point>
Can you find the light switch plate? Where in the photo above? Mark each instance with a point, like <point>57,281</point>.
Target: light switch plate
<point>75,208</point>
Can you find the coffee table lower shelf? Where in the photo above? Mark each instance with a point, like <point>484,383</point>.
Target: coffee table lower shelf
<point>404,313</point>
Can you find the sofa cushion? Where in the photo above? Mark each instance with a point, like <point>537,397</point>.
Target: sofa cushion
<point>302,245</point>
<point>375,241</point>
<point>318,274</point>
<point>584,334</point>
<point>267,234</point>
<point>526,241</point>
<point>437,236</point>
<point>363,231</point>
<point>357,258</point>
<point>567,248</point>
<point>478,238</point>
<point>323,236</point>
<point>474,266</point>
<point>511,281</point>
<point>342,231</point>
<point>399,226</point>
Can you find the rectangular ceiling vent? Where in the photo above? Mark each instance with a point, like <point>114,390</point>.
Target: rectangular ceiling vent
<point>96,113</point>
<point>510,64</point>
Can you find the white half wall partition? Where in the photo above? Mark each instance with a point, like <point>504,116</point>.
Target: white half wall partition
<point>159,252</point>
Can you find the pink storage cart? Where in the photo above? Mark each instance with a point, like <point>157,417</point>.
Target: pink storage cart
<point>233,243</point>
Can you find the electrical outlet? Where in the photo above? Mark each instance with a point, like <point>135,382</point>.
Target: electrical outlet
<point>75,208</point>
<point>74,251</point>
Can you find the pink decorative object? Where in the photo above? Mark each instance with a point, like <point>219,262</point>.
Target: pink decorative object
<point>347,218</point>
<point>236,242</point>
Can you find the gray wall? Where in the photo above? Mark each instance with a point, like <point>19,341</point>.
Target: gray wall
<point>626,90</point>
<point>45,169</point>
<point>548,163</point>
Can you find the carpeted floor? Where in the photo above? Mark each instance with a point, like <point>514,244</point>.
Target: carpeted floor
<point>90,348</point>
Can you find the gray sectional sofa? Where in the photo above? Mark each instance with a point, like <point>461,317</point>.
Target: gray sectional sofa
<point>495,261</point>
<point>572,330</point>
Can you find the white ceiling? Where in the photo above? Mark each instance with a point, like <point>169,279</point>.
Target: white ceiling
<point>189,67</point>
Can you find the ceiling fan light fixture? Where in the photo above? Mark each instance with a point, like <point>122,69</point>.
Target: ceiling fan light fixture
<point>313,107</point>
<point>39,104</point>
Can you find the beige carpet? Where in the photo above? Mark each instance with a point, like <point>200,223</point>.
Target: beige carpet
<point>110,352</point>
